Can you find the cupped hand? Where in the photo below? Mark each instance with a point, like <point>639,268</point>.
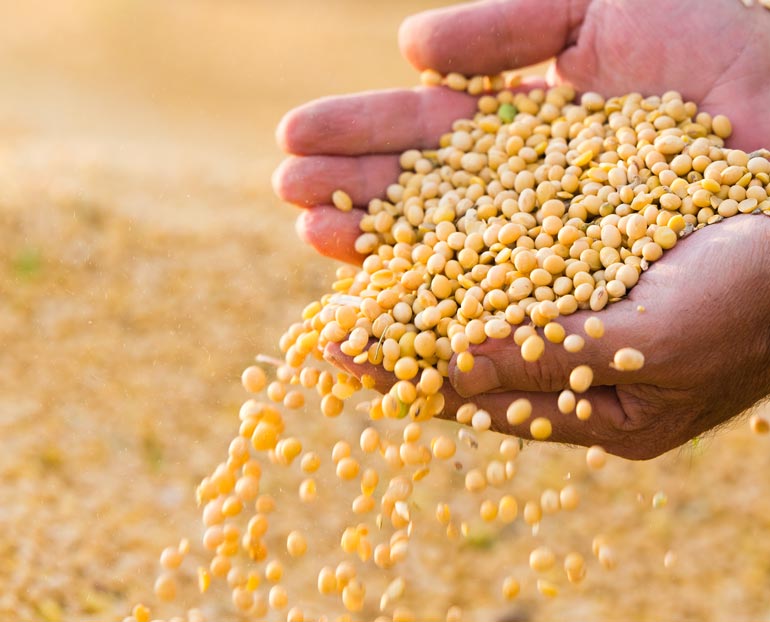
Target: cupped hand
<point>717,56</point>
<point>699,316</point>
<point>703,329</point>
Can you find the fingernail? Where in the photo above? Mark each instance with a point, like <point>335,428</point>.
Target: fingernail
<point>482,378</point>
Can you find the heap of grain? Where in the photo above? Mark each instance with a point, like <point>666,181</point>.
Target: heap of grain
<point>534,209</point>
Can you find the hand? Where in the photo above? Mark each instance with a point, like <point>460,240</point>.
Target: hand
<point>702,360</point>
<point>719,58</point>
<point>704,332</point>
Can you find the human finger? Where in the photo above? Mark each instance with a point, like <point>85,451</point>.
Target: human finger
<point>311,180</point>
<point>489,37</point>
<point>606,425</point>
<point>373,122</point>
<point>498,364</point>
<point>331,232</point>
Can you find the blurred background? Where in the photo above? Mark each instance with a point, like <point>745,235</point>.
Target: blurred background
<point>144,262</point>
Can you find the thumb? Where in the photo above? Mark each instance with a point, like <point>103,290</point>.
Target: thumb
<point>498,364</point>
<point>489,37</point>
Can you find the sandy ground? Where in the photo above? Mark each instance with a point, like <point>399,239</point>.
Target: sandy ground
<point>145,262</point>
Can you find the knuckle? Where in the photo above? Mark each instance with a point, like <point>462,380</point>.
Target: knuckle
<point>544,375</point>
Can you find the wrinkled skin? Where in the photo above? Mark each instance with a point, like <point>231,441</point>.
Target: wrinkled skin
<point>704,331</point>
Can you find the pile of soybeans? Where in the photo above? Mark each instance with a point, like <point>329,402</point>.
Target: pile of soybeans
<point>536,208</point>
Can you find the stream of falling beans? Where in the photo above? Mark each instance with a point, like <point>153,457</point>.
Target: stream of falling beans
<point>537,207</point>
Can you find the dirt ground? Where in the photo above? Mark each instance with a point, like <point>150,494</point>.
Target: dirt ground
<point>145,262</point>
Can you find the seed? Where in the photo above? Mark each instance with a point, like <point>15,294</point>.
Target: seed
<point>340,450</point>
<point>532,348</point>
<point>488,510</point>
<point>594,327</point>
<point>549,501</point>
<point>369,481</point>
<point>540,428</point>
<point>574,566</point>
<point>669,559</point>
<point>497,329</point>
<point>295,614</point>
<point>165,587</point>
<point>428,77</point>
<point>344,572</point>
<point>569,498</point>
<point>669,145</point>
<point>596,457</point>
<point>253,379</point>
<point>342,201</point>
<point>759,424</point>
<point>573,343</point>
<point>274,571</point>
<point>507,509</point>
<point>510,448</point>
<point>628,359</point>
<point>443,447</point>
<point>475,481</point>
<point>580,378</point>
<point>220,565</point>
<point>406,368</point>
<point>247,488</point>
<point>353,595</point>
<point>547,588</point>
<point>347,468</point>
<point>430,381</point>
<point>443,514</point>
<point>519,411</point>
<point>171,558</point>
<point>607,557</point>
<point>232,506</point>
<point>510,588</point>
<point>369,440</point>
<point>331,406</point>
<point>721,126</point>
<point>327,581</point>
<point>541,559</point>
<point>362,504</point>
<point>296,544</point>
<point>277,597</point>
<point>481,420</point>
<point>566,402</point>
<point>140,612</point>
<point>532,513</point>
<point>310,462</point>
<point>350,540</point>
<point>583,409</point>
<point>265,436</point>
<point>456,81</point>
<point>257,526</point>
<point>289,449</point>
<point>554,332</point>
<point>465,413</point>
<point>204,579</point>
<point>276,391</point>
<point>308,490</point>
<point>665,237</point>
<point>465,361</point>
